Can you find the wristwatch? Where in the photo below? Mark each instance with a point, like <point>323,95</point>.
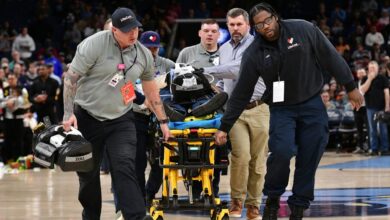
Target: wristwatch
<point>163,121</point>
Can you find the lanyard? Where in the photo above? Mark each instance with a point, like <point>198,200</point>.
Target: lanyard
<point>135,59</point>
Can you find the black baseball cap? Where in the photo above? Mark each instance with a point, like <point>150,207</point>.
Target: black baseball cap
<point>124,19</point>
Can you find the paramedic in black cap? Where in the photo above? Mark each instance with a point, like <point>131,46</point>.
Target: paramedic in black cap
<point>124,19</point>
<point>98,100</point>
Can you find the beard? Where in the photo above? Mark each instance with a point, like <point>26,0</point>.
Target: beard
<point>237,37</point>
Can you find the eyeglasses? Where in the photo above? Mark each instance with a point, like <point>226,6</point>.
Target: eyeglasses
<point>267,21</point>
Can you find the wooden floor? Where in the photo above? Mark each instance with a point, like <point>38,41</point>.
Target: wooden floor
<point>348,187</point>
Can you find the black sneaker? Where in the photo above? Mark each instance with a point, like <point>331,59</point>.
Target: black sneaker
<point>211,106</point>
<point>172,114</point>
<point>372,153</point>
<point>385,153</point>
<point>296,212</point>
<point>271,208</point>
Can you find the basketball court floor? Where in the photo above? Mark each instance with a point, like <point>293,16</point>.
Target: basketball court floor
<point>348,187</point>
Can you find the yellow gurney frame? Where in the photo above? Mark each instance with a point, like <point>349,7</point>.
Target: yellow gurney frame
<point>191,151</point>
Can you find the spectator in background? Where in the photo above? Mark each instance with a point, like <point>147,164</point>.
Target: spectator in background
<point>50,67</point>
<point>14,108</point>
<point>181,44</point>
<point>338,14</point>
<point>2,80</point>
<point>337,28</point>
<point>42,94</point>
<point>374,37</point>
<point>217,10</point>
<point>360,57</point>
<point>31,75</point>
<point>5,68</point>
<point>322,24</point>
<point>332,89</point>
<point>202,11</point>
<point>9,32</point>
<point>384,20</point>
<point>375,88</point>
<point>18,71</point>
<point>24,44</point>
<point>148,22</point>
<point>51,58</point>
<point>341,101</point>
<point>342,47</point>
<point>361,116</point>
<point>5,46</point>
<point>326,100</point>
<point>72,36</point>
<point>388,72</point>
<point>358,36</point>
<point>15,59</point>
<point>191,13</point>
<point>369,5</point>
<point>377,52</point>
<point>164,31</point>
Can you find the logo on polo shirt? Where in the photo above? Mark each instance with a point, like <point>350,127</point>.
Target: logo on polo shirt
<point>290,41</point>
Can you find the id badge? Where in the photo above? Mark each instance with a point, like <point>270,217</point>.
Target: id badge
<point>216,61</point>
<point>278,92</point>
<point>115,80</point>
<point>128,93</point>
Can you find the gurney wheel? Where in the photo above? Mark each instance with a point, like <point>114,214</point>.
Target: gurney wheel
<point>175,202</point>
<point>213,214</point>
<point>225,217</point>
<point>207,201</point>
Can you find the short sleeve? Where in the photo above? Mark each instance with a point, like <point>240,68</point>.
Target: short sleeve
<point>85,57</point>
<point>149,71</point>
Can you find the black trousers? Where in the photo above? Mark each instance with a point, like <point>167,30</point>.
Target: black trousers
<point>48,113</point>
<point>119,138</point>
<point>361,122</point>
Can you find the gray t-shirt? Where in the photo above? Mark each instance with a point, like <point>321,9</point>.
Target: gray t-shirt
<point>96,61</point>
<point>198,57</point>
<point>163,65</point>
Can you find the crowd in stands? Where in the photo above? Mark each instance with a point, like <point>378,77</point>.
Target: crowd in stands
<point>37,42</point>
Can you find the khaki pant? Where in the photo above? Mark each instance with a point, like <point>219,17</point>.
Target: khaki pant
<point>249,139</point>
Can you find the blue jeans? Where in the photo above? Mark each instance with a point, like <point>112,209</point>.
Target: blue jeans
<point>377,141</point>
<point>299,130</point>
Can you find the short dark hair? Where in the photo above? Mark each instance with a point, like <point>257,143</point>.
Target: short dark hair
<point>263,6</point>
<point>235,12</point>
<point>209,21</point>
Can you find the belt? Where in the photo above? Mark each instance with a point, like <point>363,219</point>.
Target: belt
<point>253,104</point>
